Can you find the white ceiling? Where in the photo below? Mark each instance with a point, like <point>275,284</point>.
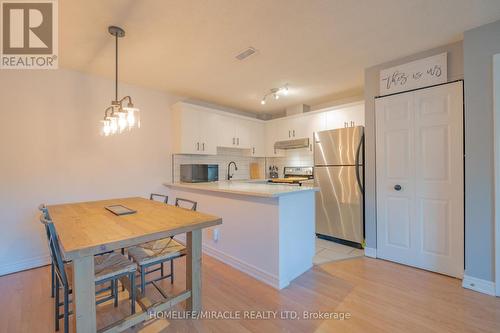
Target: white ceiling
<point>320,48</point>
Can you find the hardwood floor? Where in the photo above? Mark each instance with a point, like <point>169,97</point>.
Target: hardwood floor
<point>380,297</point>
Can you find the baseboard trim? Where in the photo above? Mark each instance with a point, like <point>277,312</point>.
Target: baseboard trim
<point>371,252</point>
<point>23,265</point>
<point>244,267</point>
<point>240,265</point>
<point>479,285</point>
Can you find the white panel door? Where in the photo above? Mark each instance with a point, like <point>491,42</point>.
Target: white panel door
<point>420,178</point>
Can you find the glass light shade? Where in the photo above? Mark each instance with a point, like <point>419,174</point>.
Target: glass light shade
<point>113,125</point>
<point>133,117</point>
<point>122,121</point>
<point>106,128</point>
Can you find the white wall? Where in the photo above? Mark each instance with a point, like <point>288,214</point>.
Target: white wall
<point>52,152</point>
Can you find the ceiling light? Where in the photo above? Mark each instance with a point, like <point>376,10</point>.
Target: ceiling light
<point>275,92</point>
<point>119,116</point>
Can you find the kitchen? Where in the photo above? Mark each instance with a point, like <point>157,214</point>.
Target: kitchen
<point>195,166</point>
<point>214,161</point>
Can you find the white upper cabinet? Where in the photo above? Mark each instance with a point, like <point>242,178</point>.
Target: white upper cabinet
<point>257,139</point>
<point>274,132</point>
<point>194,130</point>
<point>309,124</point>
<point>200,130</point>
<point>353,115</point>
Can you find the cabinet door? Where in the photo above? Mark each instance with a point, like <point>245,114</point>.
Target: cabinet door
<point>338,117</point>
<point>287,128</point>
<point>257,139</point>
<point>309,124</point>
<point>208,132</point>
<point>274,129</point>
<point>189,133</point>
<point>243,131</point>
<point>226,132</point>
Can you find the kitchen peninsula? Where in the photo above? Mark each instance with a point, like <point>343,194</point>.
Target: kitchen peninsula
<point>268,230</point>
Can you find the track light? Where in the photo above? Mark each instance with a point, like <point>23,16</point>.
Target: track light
<point>276,93</point>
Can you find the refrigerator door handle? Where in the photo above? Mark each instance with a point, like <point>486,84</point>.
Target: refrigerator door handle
<point>358,151</point>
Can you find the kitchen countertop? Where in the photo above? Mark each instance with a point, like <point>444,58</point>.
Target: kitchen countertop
<point>256,188</point>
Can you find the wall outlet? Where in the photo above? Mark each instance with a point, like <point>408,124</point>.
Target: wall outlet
<point>215,234</point>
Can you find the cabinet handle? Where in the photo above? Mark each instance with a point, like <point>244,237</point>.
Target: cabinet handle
<point>289,135</point>
<point>238,141</point>
<point>234,141</point>
<point>310,147</point>
<point>197,146</point>
<point>253,150</point>
<point>203,145</point>
<point>293,133</point>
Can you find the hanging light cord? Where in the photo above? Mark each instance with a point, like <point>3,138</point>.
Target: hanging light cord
<point>116,67</point>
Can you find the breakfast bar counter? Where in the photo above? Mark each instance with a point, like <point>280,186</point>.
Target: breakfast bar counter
<point>256,188</point>
<point>268,230</point>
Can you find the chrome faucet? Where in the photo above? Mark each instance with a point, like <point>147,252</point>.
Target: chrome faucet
<point>229,175</point>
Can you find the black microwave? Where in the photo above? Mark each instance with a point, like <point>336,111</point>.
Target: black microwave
<point>199,173</point>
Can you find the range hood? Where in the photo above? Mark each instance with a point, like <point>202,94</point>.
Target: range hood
<point>292,144</point>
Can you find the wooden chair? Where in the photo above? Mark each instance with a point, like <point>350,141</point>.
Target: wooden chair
<point>152,196</point>
<point>46,216</point>
<point>108,268</point>
<point>158,252</point>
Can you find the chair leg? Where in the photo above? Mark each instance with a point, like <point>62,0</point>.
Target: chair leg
<point>66,309</point>
<point>52,277</point>
<point>143,280</point>
<point>56,305</point>
<point>115,291</point>
<point>172,271</point>
<point>132,292</point>
<point>123,253</point>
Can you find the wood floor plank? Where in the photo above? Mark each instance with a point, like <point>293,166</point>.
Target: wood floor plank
<point>380,296</point>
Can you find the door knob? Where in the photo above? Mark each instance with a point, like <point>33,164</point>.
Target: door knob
<point>397,187</point>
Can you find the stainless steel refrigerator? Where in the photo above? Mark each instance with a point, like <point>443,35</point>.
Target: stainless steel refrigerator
<point>339,173</point>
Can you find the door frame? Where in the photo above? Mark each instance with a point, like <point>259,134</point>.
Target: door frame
<point>497,218</point>
<point>496,145</point>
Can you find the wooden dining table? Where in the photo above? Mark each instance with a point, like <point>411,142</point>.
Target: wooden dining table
<point>88,228</point>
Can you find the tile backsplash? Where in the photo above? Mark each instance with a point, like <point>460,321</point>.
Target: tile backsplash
<point>294,158</point>
<point>223,157</point>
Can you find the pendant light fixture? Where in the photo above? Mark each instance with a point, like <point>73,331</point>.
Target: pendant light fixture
<point>121,114</point>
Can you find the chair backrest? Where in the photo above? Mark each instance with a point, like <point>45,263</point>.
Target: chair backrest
<point>185,203</point>
<point>155,196</point>
<point>46,216</point>
<point>55,251</point>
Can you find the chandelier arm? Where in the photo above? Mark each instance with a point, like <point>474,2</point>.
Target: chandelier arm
<point>126,98</point>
